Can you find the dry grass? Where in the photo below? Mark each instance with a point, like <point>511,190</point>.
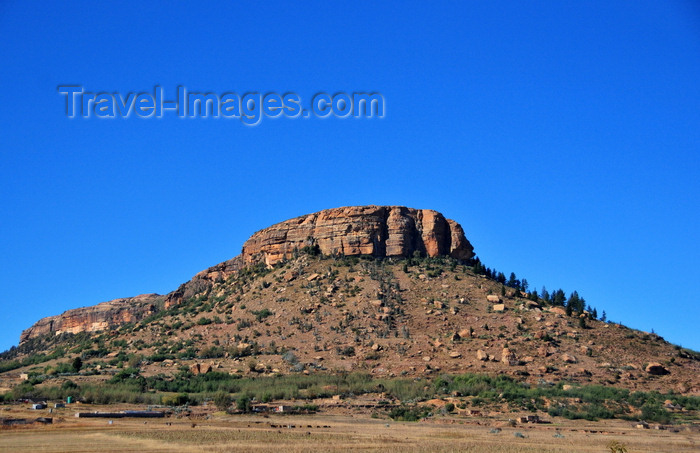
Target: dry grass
<point>248,433</point>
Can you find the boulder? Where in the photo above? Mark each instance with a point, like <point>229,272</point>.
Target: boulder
<point>656,369</point>
<point>481,355</point>
<point>508,357</point>
<point>464,333</point>
<point>568,358</point>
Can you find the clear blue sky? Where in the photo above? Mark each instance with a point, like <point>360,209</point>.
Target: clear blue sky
<point>564,139</point>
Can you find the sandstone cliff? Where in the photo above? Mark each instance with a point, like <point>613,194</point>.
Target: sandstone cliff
<point>382,231</point>
<point>98,317</point>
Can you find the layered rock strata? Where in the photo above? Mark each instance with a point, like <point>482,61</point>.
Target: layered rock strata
<point>381,231</point>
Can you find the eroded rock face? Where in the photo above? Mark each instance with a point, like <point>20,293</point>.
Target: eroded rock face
<point>98,317</point>
<point>381,231</point>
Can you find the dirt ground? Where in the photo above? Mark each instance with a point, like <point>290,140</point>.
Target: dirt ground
<point>219,432</point>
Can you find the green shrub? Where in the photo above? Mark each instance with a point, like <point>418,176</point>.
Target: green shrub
<point>409,413</point>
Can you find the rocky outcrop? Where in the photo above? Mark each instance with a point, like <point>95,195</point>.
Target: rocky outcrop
<point>381,231</point>
<point>203,281</point>
<point>98,317</point>
<point>656,369</point>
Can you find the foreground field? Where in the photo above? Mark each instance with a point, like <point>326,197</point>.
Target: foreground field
<point>226,433</point>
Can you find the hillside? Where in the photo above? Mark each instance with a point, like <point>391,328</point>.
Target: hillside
<point>401,301</point>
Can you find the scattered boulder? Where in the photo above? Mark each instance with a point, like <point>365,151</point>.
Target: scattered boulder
<point>568,358</point>
<point>481,355</point>
<point>508,357</point>
<point>493,298</point>
<point>200,368</point>
<point>499,308</point>
<point>656,369</point>
<point>455,355</point>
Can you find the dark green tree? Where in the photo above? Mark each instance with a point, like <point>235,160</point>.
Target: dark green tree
<point>559,298</point>
<point>77,364</point>
<point>513,281</point>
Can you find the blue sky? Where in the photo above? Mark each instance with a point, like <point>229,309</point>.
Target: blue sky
<point>563,138</point>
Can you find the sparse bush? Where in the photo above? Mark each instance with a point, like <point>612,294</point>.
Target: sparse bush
<point>222,400</point>
<point>409,413</point>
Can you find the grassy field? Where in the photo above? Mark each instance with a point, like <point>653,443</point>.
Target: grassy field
<point>226,433</point>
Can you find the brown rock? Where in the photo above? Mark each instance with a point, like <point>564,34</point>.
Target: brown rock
<point>568,358</point>
<point>361,230</point>
<point>508,357</point>
<point>455,355</point>
<point>200,368</point>
<point>481,355</point>
<point>464,333</point>
<point>656,369</point>
<point>96,318</point>
<point>557,311</point>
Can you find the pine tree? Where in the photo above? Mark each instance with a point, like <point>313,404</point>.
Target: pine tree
<point>574,302</point>
<point>524,285</point>
<point>558,298</point>
<point>604,317</point>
